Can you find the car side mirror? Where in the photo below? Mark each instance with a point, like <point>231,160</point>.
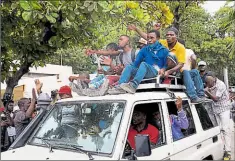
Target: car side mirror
<point>142,144</point>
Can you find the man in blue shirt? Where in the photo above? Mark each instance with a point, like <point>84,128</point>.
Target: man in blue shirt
<point>150,61</point>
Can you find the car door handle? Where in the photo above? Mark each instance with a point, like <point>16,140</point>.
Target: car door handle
<point>215,139</point>
<point>199,146</point>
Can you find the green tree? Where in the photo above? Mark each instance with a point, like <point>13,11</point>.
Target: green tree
<point>75,57</point>
<point>33,30</point>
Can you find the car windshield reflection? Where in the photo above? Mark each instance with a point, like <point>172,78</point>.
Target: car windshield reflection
<point>93,126</point>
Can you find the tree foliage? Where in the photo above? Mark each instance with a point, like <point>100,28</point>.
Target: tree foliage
<point>33,30</point>
<point>210,37</point>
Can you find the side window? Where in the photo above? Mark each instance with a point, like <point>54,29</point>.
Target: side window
<point>147,119</point>
<point>206,115</point>
<point>182,124</point>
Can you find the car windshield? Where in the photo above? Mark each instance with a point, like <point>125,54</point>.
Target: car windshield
<point>93,126</point>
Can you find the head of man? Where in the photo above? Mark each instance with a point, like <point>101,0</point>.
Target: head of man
<point>202,66</point>
<point>65,92</point>
<point>123,41</point>
<point>171,35</point>
<point>181,41</point>
<point>171,61</point>
<point>139,117</point>
<point>10,106</point>
<point>153,36</point>
<point>141,43</point>
<point>24,104</point>
<point>112,46</point>
<point>210,80</point>
<point>156,115</point>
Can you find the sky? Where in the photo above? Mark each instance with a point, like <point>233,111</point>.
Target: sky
<point>213,6</point>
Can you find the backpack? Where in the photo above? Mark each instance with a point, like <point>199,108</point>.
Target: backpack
<point>132,56</point>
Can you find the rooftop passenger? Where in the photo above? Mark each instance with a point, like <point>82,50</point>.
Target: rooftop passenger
<point>179,51</point>
<point>150,61</point>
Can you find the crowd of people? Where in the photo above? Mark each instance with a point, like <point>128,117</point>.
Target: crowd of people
<point>121,68</point>
<point>157,57</point>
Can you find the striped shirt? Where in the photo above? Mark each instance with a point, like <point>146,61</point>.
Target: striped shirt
<point>220,91</point>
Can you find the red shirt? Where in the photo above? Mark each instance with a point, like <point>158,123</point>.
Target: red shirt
<point>149,129</point>
<point>2,109</point>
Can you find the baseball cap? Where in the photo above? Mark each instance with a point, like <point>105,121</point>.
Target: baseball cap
<point>43,99</point>
<point>172,58</point>
<point>202,63</point>
<point>65,90</point>
<point>142,41</point>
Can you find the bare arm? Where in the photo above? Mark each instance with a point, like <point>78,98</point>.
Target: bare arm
<point>176,68</point>
<point>103,52</point>
<point>213,97</point>
<point>139,31</point>
<point>194,62</point>
<point>31,108</point>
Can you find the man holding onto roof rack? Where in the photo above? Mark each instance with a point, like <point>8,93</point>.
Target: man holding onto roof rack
<point>150,61</point>
<point>191,77</point>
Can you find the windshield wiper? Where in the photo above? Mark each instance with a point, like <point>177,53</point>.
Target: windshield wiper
<point>82,151</point>
<point>48,144</point>
<point>66,145</point>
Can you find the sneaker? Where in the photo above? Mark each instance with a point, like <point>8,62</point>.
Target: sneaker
<point>197,100</point>
<point>104,88</point>
<point>205,99</point>
<point>227,156</point>
<point>116,90</point>
<point>75,88</point>
<point>128,87</point>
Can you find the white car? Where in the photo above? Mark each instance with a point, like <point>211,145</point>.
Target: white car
<point>96,128</point>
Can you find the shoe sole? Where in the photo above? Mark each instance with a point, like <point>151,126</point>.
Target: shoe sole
<point>126,89</point>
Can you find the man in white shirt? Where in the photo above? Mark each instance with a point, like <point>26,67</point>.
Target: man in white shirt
<point>217,91</point>
<point>189,69</point>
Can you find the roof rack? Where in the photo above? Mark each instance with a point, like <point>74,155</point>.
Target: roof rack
<point>155,83</point>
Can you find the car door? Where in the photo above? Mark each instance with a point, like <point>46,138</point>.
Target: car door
<point>163,150</point>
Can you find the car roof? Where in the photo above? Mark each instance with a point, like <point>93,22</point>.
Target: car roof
<point>139,96</point>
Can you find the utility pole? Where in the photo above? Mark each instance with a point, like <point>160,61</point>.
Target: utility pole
<point>61,62</point>
<point>225,71</point>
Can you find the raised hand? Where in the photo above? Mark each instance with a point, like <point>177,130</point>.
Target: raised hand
<point>106,60</point>
<point>178,103</point>
<point>131,27</point>
<point>157,26</point>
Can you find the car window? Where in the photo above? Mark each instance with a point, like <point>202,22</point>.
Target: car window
<point>154,126</point>
<point>91,125</point>
<point>206,115</point>
<point>182,123</point>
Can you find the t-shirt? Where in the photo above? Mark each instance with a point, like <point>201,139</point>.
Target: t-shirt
<point>20,121</point>
<point>188,62</point>
<point>178,50</point>
<point>149,130</point>
<point>127,57</point>
<point>220,91</point>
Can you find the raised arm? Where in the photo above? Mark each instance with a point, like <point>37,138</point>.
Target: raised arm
<point>182,120</point>
<point>102,52</point>
<point>139,31</point>
<point>31,108</point>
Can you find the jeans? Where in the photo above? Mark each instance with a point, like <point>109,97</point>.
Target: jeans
<point>193,79</point>
<point>98,81</point>
<point>223,120</point>
<point>144,71</point>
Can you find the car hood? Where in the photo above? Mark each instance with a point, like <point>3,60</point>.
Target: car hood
<point>30,152</point>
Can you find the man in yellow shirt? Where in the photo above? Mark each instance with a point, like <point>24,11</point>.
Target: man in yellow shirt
<point>179,51</point>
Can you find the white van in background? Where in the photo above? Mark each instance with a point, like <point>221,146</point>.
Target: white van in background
<point>96,128</point>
